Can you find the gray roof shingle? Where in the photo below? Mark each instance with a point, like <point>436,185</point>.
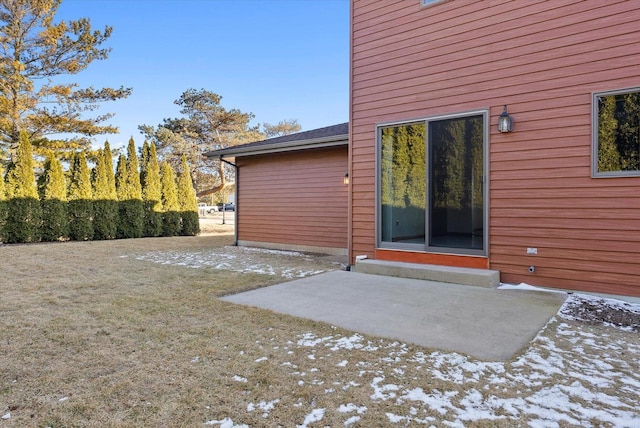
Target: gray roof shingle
<point>329,135</point>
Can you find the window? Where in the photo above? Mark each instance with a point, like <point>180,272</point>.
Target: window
<point>431,187</point>
<point>428,2</point>
<point>616,133</point>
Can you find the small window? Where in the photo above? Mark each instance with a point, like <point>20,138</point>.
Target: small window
<point>428,2</point>
<point>616,133</point>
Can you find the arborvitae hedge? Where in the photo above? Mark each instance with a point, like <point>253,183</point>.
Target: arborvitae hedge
<point>24,213</point>
<point>53,198</point>
<point>121,178</point>
<point>111,176</point>
<point>80,197</point>
<point>187,201</point>
<point>129,190</point>
<point>170,207</point>
<point>105,204</point>
<point>133,173</point>
<point>90,205</point>
<point>3,202</point>
<point>151,191</point>
<point>144,161</point>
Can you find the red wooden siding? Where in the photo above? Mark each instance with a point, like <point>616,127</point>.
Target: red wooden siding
<point>544,60</point>
<point>295,198</point>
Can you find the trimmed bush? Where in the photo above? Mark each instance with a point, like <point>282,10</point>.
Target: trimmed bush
<point>129,217</point>
<point>151,191</point>
<point>24,216</point>
<point>128,188</point>
<point>190,223</point>
<point>105,204</point>
<point>53,198</point>
<point>105,219</point>
<point>131,214</point>
<point>3,202</point>
<point>187,201</point>
<point>80,196</point>
<point>170,208</point>
<point>133,173</point>
<point>24,213</point>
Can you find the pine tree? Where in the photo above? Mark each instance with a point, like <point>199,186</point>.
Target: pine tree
<point>40,56</point>
<point>80,199</point>
<point>170,207</point>
<point>131,209</point>
<point>187,201</point>
<point>105,205</point>
<point>24,213</point>
<point>53,198</point>
<point>151,191</point>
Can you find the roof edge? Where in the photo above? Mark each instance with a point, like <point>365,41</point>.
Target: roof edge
<point>287,146</point>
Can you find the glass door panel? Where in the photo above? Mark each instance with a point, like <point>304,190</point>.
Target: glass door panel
<point>456,197</point>
<point>403,184</point>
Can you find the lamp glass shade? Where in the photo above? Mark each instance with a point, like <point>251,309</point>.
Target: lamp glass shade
<point>505,123</point>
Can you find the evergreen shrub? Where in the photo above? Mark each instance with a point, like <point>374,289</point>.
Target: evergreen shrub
<point>105,204</point>
<point>151,191</point>
<point>53,198</point>
<point>80,207</point>
<point>187,202</point>
<point>24,213</point>
<point>3,203</point>
<point>170,209</point>
<point>23,221</point>
<point>129,190</point>
<point>131,215</point>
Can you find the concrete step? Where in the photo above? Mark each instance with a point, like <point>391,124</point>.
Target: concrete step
<point>455,275</point>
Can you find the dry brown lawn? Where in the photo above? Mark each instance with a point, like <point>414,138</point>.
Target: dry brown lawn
<point>92,335</point>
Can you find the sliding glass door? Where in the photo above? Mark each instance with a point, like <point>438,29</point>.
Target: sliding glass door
<point>431,187</point>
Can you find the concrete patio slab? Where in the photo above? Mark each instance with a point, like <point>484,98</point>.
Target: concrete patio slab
<point>486,323</point>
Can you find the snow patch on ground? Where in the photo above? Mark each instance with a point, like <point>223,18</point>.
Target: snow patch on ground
<point>316,415</point>
<point>243,260</point>
<point>265,406</point>
<point>523,286</point>
<point>568,376</point>
<point>571,374</point>
<point>226,423</point>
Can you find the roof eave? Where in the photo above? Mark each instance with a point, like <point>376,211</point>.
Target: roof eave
<point>287,146</point>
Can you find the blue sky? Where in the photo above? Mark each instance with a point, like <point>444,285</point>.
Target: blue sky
<point>278,59</point>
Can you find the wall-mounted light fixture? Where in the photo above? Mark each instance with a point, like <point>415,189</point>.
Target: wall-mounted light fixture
<point>345,180</point>
<point>505,122</point>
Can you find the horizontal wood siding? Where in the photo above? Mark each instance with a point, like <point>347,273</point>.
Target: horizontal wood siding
<point>296,198</point>
<point>542,59</point>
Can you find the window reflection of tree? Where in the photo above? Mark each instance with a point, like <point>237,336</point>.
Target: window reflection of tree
<point>456,159</point>
<point>455,165</point>
<point>403,181</point>
<point>456,154</point>
<point>619,132</point>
